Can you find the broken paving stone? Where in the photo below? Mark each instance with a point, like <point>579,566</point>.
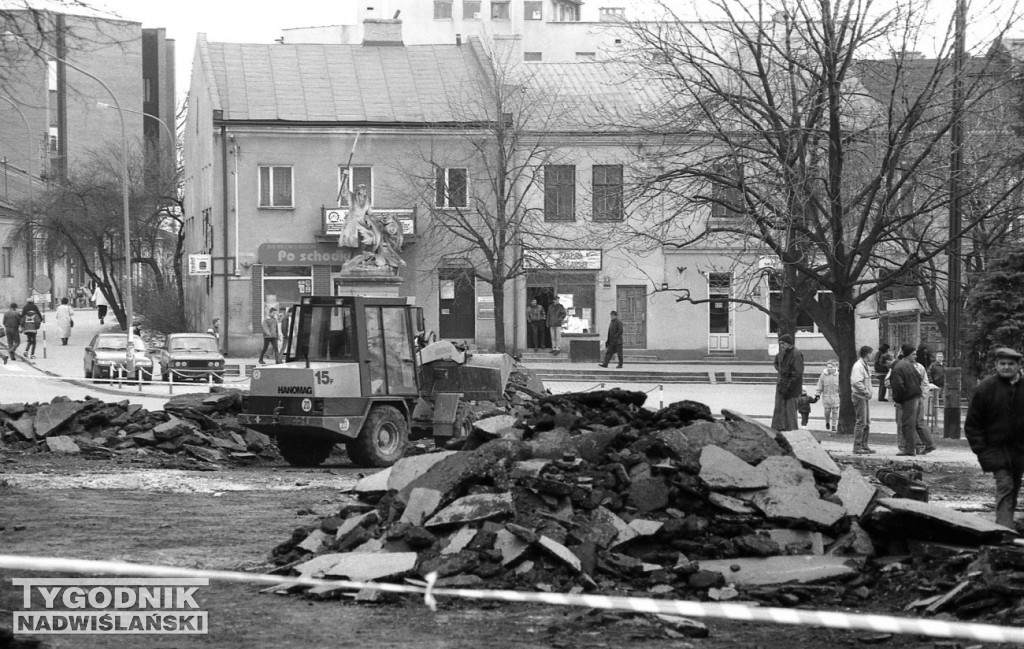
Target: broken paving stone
<point>788,473</point>
<point>492,426</point>
<point>62,444</point>
<point>637,528</point>
<point>807,449</point>
<point>173,427</point>
<point>932,512</point>
<point>352,522</point>
<point>422,504</point>
<point>314,542</point>
<point>798,541</point>
<point>799,568</point>
<point>511,546</point>
<point>528,469</point>
<point>210,455</point>
<point>648,494</point>
<point>50,417</point>
<point>560,552</point>
<point>794,504</point>
<point>855,492</point>
<point>446,565</point>
<point>24,427</point>
<point>360,566</point>
<point>409,468</point>
<point>476,507</point>
<point>720,469</point>
<point>458,541</point>
<point>552,444</point>
<point>374,483</point>
<point>730,504</point>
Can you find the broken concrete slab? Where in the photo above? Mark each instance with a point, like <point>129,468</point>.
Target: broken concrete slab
<point>458,541</point>
<point>510,546</point>
<point>51,417</point>
<point>210,455</point>
<point>173,427</point>
<point>785,472</point>
<point>24,426</point>
<point>365,519</point>
<point>492,426</point>
<point>795,504</point>
<point>730,504</point>
<point>528,468</point>
<point>315,541</point>
<point>374,483</point>
<point>810,452</point>
<point>720,470</point>
<point>363,566</point>
<point>798,541</point>
<point>560,552</point>
<point>855,541</point>
<point>476,507</point>
<point>602,528</point>
<point>62,444</point>
<point>649,493</point>
<point>637,528</point>
<point>409,468</point>
<point>451,472</point>
<point>799,568</point>
<point>855,492</point>
<point>932,512</point>
<point>552,444</point>
<point>422,504</point>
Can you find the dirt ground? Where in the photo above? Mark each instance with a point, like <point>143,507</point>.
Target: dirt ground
<point>230,519</point>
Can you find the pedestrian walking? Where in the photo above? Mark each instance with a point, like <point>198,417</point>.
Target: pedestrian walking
<point>100,300</point>
<point>883,363</point>
<point>271,329</point>
<point>803,407</point>
<point>613,344</point>
<point>556,316</point>
<point>789,363</point>
<point>995,430</point>
<point>12,328</point>
<point>65,321</point>
<point>861,391</point>
<point>828,391</point>
<point>905,384</point>
<point>31,320</point>
<point>535,323</point>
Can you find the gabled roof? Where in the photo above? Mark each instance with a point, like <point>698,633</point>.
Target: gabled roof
<point>306,82</point>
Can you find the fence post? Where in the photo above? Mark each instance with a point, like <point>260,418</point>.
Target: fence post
<point>661,395</point>
<point>44,343</point>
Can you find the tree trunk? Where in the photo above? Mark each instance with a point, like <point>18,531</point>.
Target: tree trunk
<point>846,320</point>
<point>498,288</point>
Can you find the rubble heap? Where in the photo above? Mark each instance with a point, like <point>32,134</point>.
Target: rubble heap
<point>201,426</point>
<point>589,491</point>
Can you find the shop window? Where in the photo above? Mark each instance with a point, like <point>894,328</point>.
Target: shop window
<point>499,10</point>
<point>275,186</point>
<point>727,198</point>
<point>359,176</point>
<point>284,286</point>
<point>451,187</point>
<point>576,291</point>
<point>804,322</point>
<point>607,183</point>
<point>559,192</point>
<point>471,10</point>
<point>442,10</point>
<point>533,10</point>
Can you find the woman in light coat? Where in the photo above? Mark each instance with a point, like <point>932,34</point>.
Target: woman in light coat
<point>64,313</point>
<point>828,392</point>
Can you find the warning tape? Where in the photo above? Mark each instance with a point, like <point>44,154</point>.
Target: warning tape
<point>738,612</point>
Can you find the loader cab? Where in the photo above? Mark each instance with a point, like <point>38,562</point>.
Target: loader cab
<point>376,333</point>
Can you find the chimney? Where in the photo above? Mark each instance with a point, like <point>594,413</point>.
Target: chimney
<point>382,31</point>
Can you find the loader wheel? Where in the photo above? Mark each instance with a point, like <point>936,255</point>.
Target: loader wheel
<point>304,450</point>
<point>382,440</point>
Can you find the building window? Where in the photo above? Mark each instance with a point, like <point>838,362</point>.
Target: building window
<point>6,262</point>
<point>586,56</point>
<point>612,13</point>
<point>533,56</point>
<point>607,182</point>
<point>451,187</point>
<point>275,186</point>
<point>471,10</point>
<point>803,319</point>
<point>442,10</point>
<point>359,176</point>
<point>727,197</point>
<point>54,139</point>
<point>533,10</point>
<point>499,10</point>
<point>559,192</point>
<point>567,11</point>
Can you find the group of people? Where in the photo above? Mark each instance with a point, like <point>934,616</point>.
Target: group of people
<point>28,322</point>
<point>275,327</point>
<point>539,319</point>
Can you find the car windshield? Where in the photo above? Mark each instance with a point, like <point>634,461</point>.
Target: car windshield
<point>114,343</point>
<point>193,344</point>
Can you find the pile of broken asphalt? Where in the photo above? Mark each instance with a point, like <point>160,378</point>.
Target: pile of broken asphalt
<point>589,492</point>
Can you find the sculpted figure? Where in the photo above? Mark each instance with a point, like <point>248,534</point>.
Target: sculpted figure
<point>377,238</point>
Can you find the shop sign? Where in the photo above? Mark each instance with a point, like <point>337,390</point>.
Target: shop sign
<point>485,307</point>
<point>562,259</point>
<point>334,219</point>
<point>199,264</point>
<point>302,254</point>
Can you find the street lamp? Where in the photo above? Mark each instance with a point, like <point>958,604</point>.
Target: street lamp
<point>170,131</point>
<point>128,306</point>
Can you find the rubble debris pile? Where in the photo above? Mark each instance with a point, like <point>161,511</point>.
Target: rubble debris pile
<point>201,426</point>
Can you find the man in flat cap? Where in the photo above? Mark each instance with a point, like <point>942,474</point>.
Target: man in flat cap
<point>995,430</point>
<point>789,363</point>
<point>905,380</point>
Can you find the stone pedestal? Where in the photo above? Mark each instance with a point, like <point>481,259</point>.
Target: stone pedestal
<point>378,282</point>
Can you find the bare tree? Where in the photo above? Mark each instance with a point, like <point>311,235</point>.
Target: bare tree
<point>783,141</point>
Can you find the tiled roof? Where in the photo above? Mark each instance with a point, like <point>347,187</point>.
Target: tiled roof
<point>343,83</point>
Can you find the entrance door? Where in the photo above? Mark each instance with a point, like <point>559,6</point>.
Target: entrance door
<point>719,314</point>
<point>631,303</point>
<point>389,351</point>
<point>543,296</point>
<point>456,316</point>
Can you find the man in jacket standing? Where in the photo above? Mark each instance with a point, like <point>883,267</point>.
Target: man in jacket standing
<point>789,363</point>
<point>995,430</point>
<point>828,392</point>
<point>535,322</point>
<point>271,329</point>
<point>556,316</point>
<point>613,345</point>
<point>12,325</point>
<point>860,389</point>
<point>905,383</point>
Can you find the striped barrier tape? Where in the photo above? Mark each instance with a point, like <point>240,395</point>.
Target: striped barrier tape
<point>737,612</point>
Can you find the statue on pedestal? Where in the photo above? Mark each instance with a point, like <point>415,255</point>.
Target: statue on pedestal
<point>376,239</point>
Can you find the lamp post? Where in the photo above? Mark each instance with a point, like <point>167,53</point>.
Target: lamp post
<point>28,131</point>
<point>170,131</point>
<point>128,306</point>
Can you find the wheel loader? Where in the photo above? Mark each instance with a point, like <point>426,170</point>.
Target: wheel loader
<point>364,372</point>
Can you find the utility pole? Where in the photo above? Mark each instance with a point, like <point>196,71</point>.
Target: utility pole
<point>951,416</point>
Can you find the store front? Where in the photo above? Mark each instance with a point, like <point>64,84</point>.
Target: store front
<point>572,275</point>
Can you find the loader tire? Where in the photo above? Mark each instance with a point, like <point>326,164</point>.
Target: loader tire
<point>382,440</point>
<point>304,450</point>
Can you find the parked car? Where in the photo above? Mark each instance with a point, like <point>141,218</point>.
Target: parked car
<point>106,358</point>
<point>190,357</point>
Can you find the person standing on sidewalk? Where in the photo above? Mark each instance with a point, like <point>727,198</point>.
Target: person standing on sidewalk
<point>271,329</point>
<point>995,430</point>
<point>535,319</point>
<point>613,345</point>
<point>905,382</point>
<point>883,363</point>
<point>12,326</point>
<point>789,363</point>
<point>556,316</point>
<point>31,320</point>
<point>64,321</point>
<point>860,389</point>
<point>101,303</point>
<point>828,392</point>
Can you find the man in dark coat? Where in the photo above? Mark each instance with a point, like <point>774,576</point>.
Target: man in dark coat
<point>905,382</point>
<point>789,363</point>
<point>556,316</point>
<point>995,430</point>
<point>613,345</point>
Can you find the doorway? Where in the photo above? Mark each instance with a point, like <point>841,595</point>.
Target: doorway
<point>719,313</point>
<point>456,316</point>
<point>631,303</point>
<point>543,295</point>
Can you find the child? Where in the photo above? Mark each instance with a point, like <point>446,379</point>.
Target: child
<point>803,406</point>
